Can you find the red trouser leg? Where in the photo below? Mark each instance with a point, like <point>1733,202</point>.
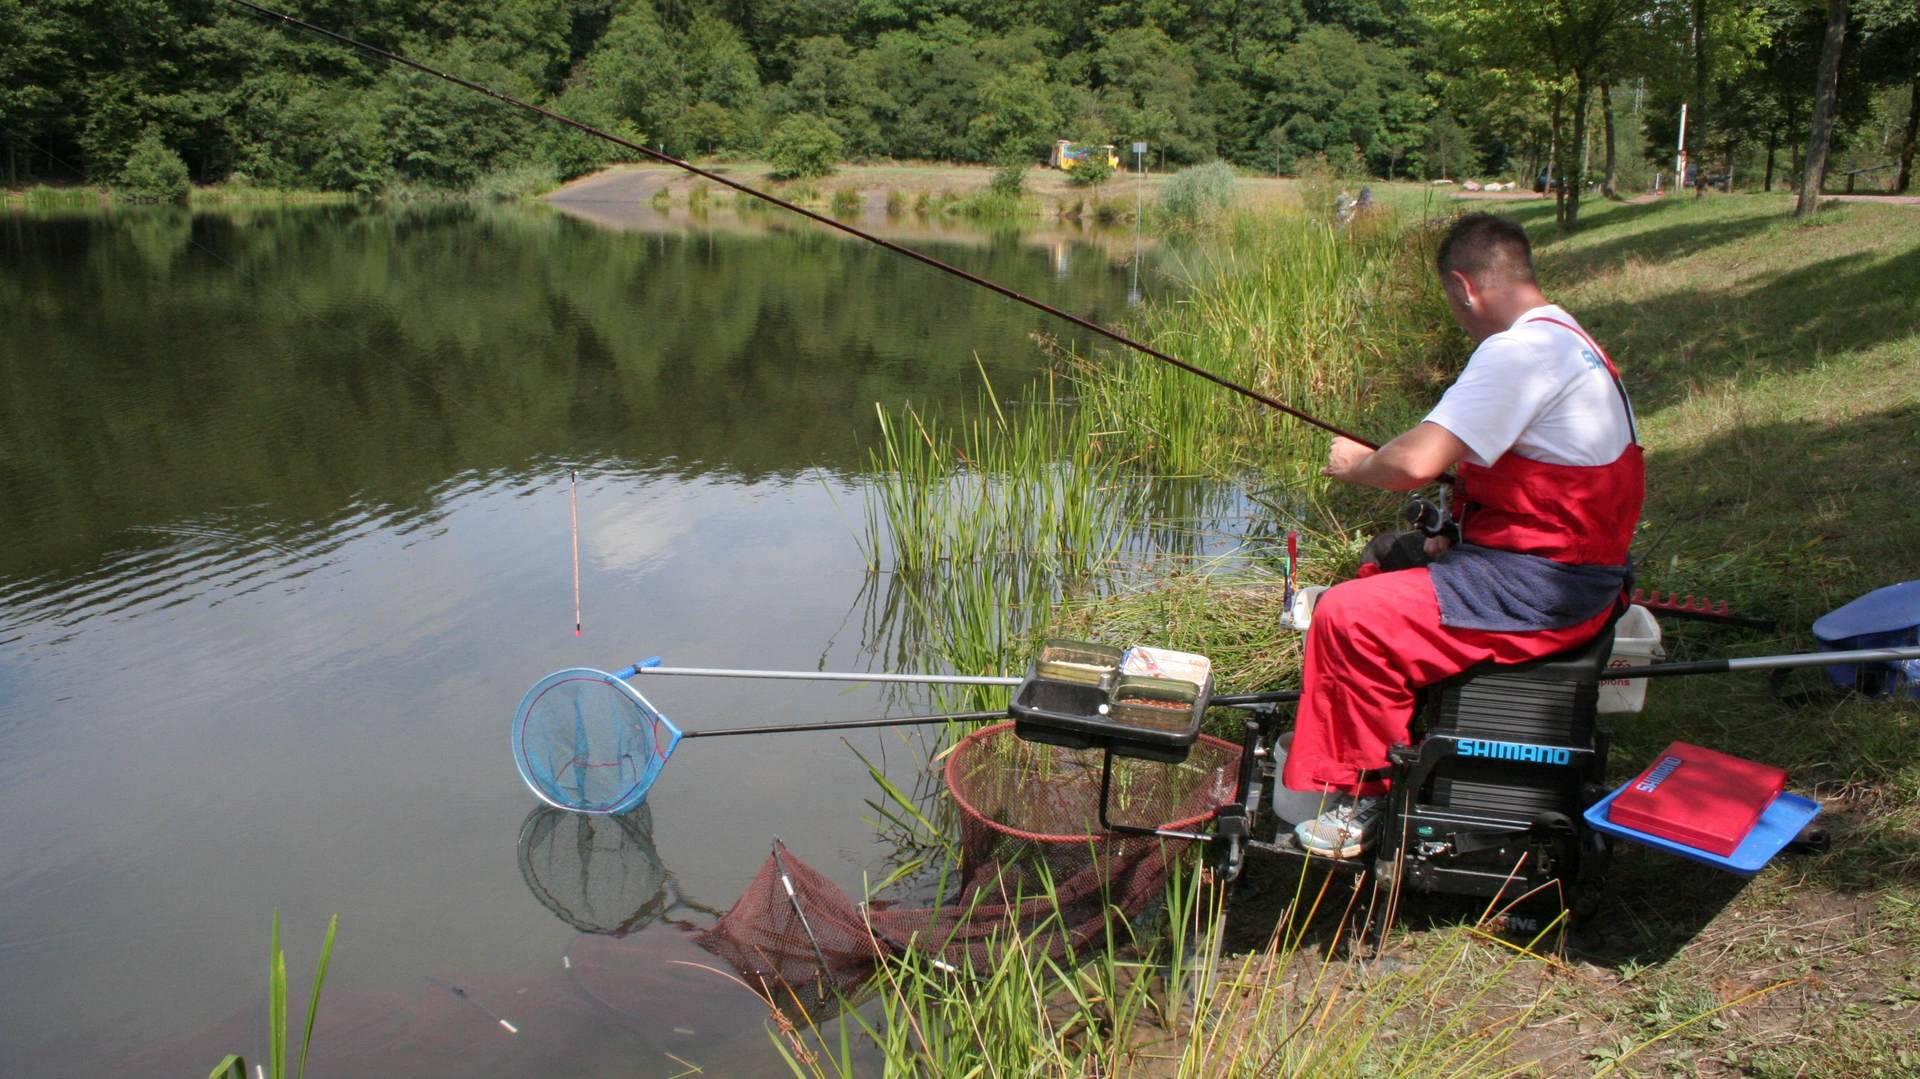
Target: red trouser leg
<point>1373,641</point>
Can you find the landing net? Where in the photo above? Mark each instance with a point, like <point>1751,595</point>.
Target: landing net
<point>587,741</point>
<point>1033,861</point>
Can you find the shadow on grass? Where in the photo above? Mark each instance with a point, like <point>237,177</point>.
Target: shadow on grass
<point>1690,235</point>
<point>1789,518</point>
<point>1726,318</point>
<point>1673,345</point>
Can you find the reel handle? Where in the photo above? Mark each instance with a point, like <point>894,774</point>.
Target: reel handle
<point>1430,518</point>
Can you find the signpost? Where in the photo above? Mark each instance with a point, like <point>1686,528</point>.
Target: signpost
<point>1139,213</point>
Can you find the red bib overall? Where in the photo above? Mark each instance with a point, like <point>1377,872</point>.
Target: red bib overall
<point>1376,639</point>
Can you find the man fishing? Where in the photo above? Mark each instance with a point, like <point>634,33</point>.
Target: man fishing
<point>1550,483</point>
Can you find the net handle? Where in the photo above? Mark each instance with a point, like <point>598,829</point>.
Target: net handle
<point>651,665</point>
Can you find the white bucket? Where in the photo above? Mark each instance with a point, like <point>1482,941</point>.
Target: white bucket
<point>1636,643</point>
<point>1290,805</point>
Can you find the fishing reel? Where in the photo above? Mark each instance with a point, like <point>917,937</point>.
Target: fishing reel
<point>1431,518</point>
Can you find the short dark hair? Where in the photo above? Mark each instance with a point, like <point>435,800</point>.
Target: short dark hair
<point>1491,249</point>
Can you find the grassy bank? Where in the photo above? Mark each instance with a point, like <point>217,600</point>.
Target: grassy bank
<point>525,182</point>
<point>947,189</point>
<point>1776,369</point>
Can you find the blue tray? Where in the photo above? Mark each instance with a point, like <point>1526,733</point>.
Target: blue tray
<point>1783,820</point>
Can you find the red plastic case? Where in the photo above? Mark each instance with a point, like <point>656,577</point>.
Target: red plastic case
<point>1698,797</point>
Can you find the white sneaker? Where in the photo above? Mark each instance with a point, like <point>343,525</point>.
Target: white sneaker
<point>1345,830</point>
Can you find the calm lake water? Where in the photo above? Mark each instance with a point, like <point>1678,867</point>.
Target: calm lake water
<point>285,539</point>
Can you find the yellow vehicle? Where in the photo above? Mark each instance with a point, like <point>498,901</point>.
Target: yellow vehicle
<point>1068,154</point>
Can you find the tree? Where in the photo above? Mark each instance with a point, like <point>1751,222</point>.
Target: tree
<point>153,172</point>
<point>1338,96</point>
<point>718,65</point>
<point>804,147</point>
<point>1564,46</point>
<point>1890,48</point>
<point>35,75</point>
<point>1825,90</point>
<point>834,82</point>
<point>1017,116</point>
<point>1147,89</point>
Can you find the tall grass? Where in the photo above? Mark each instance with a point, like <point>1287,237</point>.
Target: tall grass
<point>1160,996</point>
<point>516,183</point>
<point>1036,481</point>
<point>43,197</point>
<point>1337,323</point>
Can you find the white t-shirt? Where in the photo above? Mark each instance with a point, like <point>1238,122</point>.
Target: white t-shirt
<point>1540,390</point>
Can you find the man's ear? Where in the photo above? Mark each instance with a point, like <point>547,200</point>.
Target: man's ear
<point>1462,288</point>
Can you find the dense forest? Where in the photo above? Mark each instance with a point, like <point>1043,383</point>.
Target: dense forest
<point>1393,88</point>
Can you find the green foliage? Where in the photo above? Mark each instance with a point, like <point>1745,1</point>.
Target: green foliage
<point>276,1066</point>
<point>1335,94</point>
<point>1090,171</point>
<point>153,172</point>
<point>1152,90</point>
<point>1010,177</point>
<point>804,147</point>
<point>1199,194</point>
<point>1017,116</point>
<point>518,182</point>
<point>708,127</point>
<point>1426,87</point>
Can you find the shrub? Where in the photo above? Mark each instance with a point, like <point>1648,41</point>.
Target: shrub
<point>515,183</point>
<point>1090,171</point>
<point>153,172</point>
<point>1199,194</point>
<point>1010,178</point>
<point>803,147</point>
<point>707,127</point>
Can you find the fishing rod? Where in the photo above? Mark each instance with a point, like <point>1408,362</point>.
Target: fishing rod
<point>852,230</point>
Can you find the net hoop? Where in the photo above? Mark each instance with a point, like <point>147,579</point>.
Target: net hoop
<point>966,747</point>
<point>658,734</point>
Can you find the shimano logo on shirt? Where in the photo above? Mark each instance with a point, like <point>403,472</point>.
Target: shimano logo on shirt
<point>1512,751</point>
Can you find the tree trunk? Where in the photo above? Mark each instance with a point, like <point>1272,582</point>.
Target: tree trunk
<point>1773,143</point>
<point>1697,121</point>
<point>1606,115</point>
<point>1571,219</point>
<point>1826,91</point>
<point>1556,167</point>
<point>1905,177</point>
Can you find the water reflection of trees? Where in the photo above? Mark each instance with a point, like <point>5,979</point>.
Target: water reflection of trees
<point>297,361</point>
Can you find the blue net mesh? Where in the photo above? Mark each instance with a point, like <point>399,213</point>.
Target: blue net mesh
<point>585,740</point>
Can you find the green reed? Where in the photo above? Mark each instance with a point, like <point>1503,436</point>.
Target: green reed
<point>1034,481</point>
<point>233,1066</point>
<point>1338,322</point>
<point>43,197</point>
